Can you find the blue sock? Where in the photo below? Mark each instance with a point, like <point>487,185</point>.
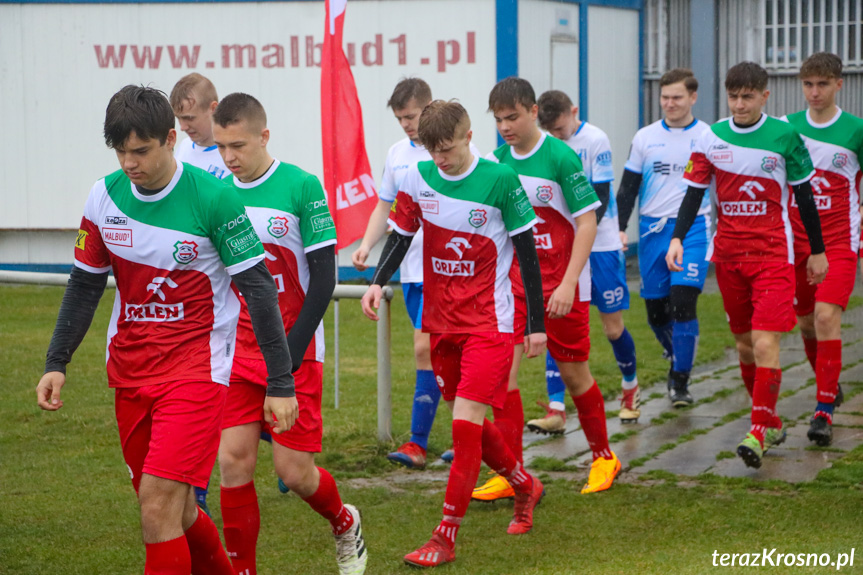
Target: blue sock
<point>825,408</point>
<point>553,382</point>
<point>664,337</point>
<point>624,353</point>
<point>426,397</point>
<point>685,344</point>
<point>201,494</point>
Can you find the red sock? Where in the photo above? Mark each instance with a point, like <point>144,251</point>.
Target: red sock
<point>811,346</point>
<point>241,517</point>
<point>328,503</point>
<point>467,445</point>
<point>510,421</point>
<point>168,557</point>
<point>827,370</point>
<point>747,371</point>
<point>498,456</point>
<point>764,398</point>
<point>205,548</point>
<point>591,415</point>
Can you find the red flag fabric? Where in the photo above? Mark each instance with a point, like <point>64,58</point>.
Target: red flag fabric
<point>351,191</point>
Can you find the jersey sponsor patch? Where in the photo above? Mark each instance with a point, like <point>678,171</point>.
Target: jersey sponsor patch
<point>155,312</point>
<point>278,227</point>
<point>579,185</point>
<point>822,202</point>
<point>117,237</point>
<point>743,208</point>
<point>604,159</point>
<point>116,220</point>
<point>81,240</point>
<point>452,267</point>
<point>321,223</point>
<point>430,206</point>
<point>185,252</point>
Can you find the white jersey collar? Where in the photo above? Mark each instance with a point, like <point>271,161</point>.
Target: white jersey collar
<point>536,148</point>
<point>748,129</point>
<point>826,124</point>
<point>460,177</point>
<point>164,193</point>
<point>257,182</point>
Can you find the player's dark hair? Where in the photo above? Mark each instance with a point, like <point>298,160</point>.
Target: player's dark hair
<point>410,89</point>
<point>823,64</point>
<point>746,76</point>
<point>509,92</point>
<point>552,105</point>
<point>441,122</point>
<point>237,107</point>
<point>194,88</point>
<point>144,111</point>
<point>677,75</point>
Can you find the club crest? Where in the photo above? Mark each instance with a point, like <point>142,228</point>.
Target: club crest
<point>769,163</point>
<point>840,159</point>
<point>477,218</point>
<point>278,227</point>
<point>544,194</point>
<point>185,252</point>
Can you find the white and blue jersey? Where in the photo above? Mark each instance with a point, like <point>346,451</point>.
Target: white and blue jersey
<point>208,159</point>
<point>660,154</point>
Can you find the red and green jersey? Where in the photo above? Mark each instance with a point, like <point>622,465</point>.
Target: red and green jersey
<point>467,221</point>
<point>835,148</point>
<point>175,314</point>
<point>554,181</point>
<point>289,211</point>
<point>752,168</point>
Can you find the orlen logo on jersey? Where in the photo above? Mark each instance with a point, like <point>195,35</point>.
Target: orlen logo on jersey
<point>542,241</point>
<point>153,311</point>
<point>840,159</point>
<point>278,227</point>
<point>117,237</point>
<point>185,252</point>
<point>452,267</point>
<point>769,163</point>
<point>743,208</point>
<point>544,194</point>
<point>477,218</point>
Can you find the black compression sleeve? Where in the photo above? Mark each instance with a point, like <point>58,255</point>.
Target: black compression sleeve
<point>394,252</point>
<point>322,281</point>
<point>603,191</point>
<point>531,276</point>
<point>259,290</point>
<point>688,211</point>
<point>809,216</point>
<point>83,292</point>
<point>626,195</point>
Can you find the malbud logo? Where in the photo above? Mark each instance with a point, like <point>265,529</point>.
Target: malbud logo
<point>544,194</point>
<point>278,227</point>
<point>477,218</point>
<point>185,252</point>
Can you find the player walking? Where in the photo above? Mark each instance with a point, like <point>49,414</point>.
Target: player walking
<point>654,174</point>
<point>473,213</point>
<point>289,211</point>
<point>752,156</point>
<point>834,139</point>
<point>175,238</point>
<point>194,100</point>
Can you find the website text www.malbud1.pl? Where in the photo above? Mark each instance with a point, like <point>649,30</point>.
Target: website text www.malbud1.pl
<point>775,558</point>
<point>297,52</point>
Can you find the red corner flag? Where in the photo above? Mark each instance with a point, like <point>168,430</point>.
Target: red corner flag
<point>351,191</point>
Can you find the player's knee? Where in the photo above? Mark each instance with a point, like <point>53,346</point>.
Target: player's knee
<point>684,303</point>
<point>827,318</point>
<point>237,466</point>
<point>658,311</point>
<point>766,350</point>
<point>612,326</point>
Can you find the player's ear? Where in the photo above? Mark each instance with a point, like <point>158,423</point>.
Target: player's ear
<point>213,105</point>
<point>171,140</point>
<point>694,96</point>
<point>469,135</point>
<point>575,111</point>
<point>766,95</point>
<point>265,136</point>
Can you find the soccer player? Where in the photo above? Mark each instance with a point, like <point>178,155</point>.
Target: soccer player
<point>288,209</point>
<point>608,289</point>
<point>654,174</point>
<point>407,101</point>
<point>834,139</point>
<point>175,238</point>
<point>474,213</point>
<point>565,205</point>
<point>194,100</point>
<point>751,157</point>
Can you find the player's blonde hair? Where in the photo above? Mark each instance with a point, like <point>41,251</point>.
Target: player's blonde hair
<point>441,122</point>
<point>195,89</point>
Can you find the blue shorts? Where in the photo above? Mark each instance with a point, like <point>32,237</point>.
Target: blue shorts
<point>608,291</point>
<point>654,239</point>
<point>413,293</point>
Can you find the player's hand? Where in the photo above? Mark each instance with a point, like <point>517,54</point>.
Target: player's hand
<point>358,258</point>
<point>816,268</point>
<point>281,412</point>
<point>534,344</point>
<point>560,302</point>
<point>624,239</point>
<point>48,391</point>
<point>372,301</point>
<point>674,257</point>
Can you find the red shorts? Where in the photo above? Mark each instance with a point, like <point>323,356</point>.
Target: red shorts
<point>757,295</point>
<point>472,365</point>
<point>836,287</point>
<point>245,403</point>
<point>568,337</point>
<point>170,430</point>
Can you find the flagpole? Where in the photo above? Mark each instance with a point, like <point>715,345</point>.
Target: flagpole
<point>336,336</point>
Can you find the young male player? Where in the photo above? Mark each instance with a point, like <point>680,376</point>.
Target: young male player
<point>194,100</point>
<point>653,173</point>
<point>564,202</point>
<point>473,213</point>
<point>407,101</point>
<point>288,209</point>
<point>751,157</point>
<point>834,139</point>
<point>175,238</point>
<point>608,289</point>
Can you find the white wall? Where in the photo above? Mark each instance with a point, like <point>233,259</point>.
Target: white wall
<point>54,90</point>
<point>538,22</point>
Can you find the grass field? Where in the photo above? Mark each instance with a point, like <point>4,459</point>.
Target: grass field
<point>67,507</point>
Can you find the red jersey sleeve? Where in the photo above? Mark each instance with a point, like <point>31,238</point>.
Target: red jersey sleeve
<point>90,252</point>
<point>405,215</point>
<point>699,171</point>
